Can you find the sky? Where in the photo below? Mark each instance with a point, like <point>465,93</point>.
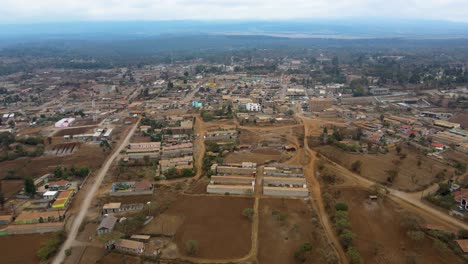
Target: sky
<point>32,11</point>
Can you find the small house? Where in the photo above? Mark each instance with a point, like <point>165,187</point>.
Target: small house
<point>107,225</point>
<point>50,195</point>
<point>129,246</point>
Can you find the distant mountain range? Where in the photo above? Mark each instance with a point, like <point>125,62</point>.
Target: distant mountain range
<point>340,29</point>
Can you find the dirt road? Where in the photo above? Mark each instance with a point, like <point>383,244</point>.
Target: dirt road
<point>199,145</point>
<point>316,198</point>
<point>87,201</point>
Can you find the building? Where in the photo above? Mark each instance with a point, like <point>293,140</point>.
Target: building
<point>446,124</point>
<point>463,244</point>
<point>65,122</point>
<point>50,195</point>
<point>231,189</point>
<point>180,163</point>
<point>143,187</point>
<point>5,219</point>
<point>129,246</point>
<point>58,185</point>
<point>284,180</point>
<point>253,107</point>
<point>461,197</point>
<point>146,149</point>
<point>63,199</point>
<point>244,168</point>
<point>177,150</point>
<point>107,225</point>
<point>38,217</point>
<point>110,208</point>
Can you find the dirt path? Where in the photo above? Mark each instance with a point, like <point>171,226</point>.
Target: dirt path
<point>199,145</point>
<point>316,198</point>
<point>87,201</point>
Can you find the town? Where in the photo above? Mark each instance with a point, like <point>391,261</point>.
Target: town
<point>311,157</point>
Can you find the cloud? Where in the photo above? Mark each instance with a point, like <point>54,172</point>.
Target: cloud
<point>21,11</point>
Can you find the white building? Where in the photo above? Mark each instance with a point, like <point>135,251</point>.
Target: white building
<point>253,107</point>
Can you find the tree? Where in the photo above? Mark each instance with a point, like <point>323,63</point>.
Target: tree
<point>346,238</point>
<point>192,247</point>
<point>356,166</point>
<point>398,149</point>
<point>463,234</point>
<point>248,212</point>
<point>354,256</point>
<point>29,186</point>
<point>341,207</point>
<point>299,254</point>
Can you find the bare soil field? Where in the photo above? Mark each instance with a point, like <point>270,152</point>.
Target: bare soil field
<point>21,248</point>
<point>139,138</point>
<point>461,118</point>
<point>259,156</point>
<point>375,166</point>
<point>380,235</point>
<point>88,155</point>
<point>279,239</point>
<point>113,258</point>
<point>11,187</point>
<point>86,122</point>
<point>75,131</point>
<point>216,223</point>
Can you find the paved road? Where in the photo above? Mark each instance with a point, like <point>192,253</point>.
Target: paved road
<point>87,201</point>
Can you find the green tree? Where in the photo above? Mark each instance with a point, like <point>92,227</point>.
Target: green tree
<point>29,186</point>
<point>356,166</point>
<point>341,207</point>
<point>353,256</point>
<point>346,238</point>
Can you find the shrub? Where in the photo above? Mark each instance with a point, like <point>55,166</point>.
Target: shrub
<point>192,247</point>
<point>354,256</point>
<point>346,238</point>
<point>356,166</point>
<point>248,212</point>
<point>51,246</point>
<point>299,254</point>
<point>341,207</point>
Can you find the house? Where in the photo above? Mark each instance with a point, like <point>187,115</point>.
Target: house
<point>63,199</point>
<point>58,185</point>
<point>463,244</point>
<point>129,246</point>
<point>461,196</point>
<point>142,186</point>
<point>38,217</point>
<point>50,195</point>
<point>438,146</point>
<point>5,219</point>
<point>107,225</point>
<point>253,107</point>
<point>111,208</point>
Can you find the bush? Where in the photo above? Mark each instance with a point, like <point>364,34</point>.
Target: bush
<point>354,256</point>
<point>248,212</point>
<point>356,166</point>
<point>192,247</point>
<point>346,238</point>
<point>341,207</point>
<point>51,247</point>
<point>299,254</point>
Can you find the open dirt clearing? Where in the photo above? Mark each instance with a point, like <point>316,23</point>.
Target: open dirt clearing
<point>380,236</point>
<point>374,166</point>
<point>216,223</point>
<point>88,155</point>
<point>21,248</point>
<point>279,239</point>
